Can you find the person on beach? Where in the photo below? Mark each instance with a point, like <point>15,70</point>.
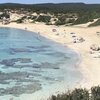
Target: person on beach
<point>38,37</point>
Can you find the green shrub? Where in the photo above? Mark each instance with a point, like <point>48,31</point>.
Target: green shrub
<point>77,94</point>
<point>24,17</point>
<point>71,21</point>
<point>97,23</point>
<point>5,15</point>
<point>95,93</point>
<point>55,19</point>
<point>80,94</point>
<point>82,20</point>
<point>43,18</point>
<point>58,22</point>
<point>48,23</point>
<point>34,17</point>
<point>19,21</point>
<point>61,20</point>
<point>66,96</point>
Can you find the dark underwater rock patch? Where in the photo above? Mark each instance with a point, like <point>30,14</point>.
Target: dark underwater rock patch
<point>36,66</point>
<point>11,62</point>
<point>4,82</point>
<point>49,79</point>
<point>19,77</point>
<point>24,81</point>
<point>44,65</point>
<point>23,66</point>
<point>18,90</point>
<point>56,54</point>
<point>14,76</point>
<point>19,50</point>
<point>38,47</point>
<point>40,50</point>
<point>7,62</point>
<point>49,65</point>
<point>25,60</point>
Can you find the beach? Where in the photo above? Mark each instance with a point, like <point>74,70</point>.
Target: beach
<point>89,65</point>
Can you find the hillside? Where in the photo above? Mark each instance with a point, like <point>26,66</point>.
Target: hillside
<point>65,13</point>
<point>58,8</point>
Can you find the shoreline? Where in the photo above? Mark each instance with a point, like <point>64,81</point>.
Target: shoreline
<point>51,36</point>
<point>88,65</point>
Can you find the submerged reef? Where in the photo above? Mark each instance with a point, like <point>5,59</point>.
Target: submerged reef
<point>11,62</point>
<point>18,90</point>
<point>24,81</point>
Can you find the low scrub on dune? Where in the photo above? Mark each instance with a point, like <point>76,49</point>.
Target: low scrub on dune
<point>43,18</point>
<point>97,23</point>
<point>79,94</point>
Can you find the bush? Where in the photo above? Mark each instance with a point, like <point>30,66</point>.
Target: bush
<point>43,18</point>
<point>82,20</point>
<point>71,21</point>
<point>24,17</point>
<point>80,94</point>
<point>48,23</point>
<point>77,94</point>
<point>66,96</point>
<point>95,93</point>
<point>55,19</point>
<point>61,20</point>
<point>19,21</point>
<point>34,17</point>
<point>97,23</point>
<point>5,15</point>
<point>58,22</point>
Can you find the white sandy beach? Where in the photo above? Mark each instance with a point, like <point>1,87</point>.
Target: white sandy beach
<point>90,65</point>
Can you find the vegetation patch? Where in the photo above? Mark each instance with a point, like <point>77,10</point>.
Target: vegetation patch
<point>19,21</point>
<point>97,23</point>
<point>79,94</point>
<point>43,18</point>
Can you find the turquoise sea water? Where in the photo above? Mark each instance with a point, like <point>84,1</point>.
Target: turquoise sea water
<point>29,63</point>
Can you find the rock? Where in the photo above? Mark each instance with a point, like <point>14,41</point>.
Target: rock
<point>18,90</point>
<point>18,50</point>
<point>7,62</point>
<point>25,60</point>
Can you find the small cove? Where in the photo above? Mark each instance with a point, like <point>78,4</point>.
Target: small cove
<point>30,63</point>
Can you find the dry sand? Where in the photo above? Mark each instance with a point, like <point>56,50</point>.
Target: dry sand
<point>89,66</point>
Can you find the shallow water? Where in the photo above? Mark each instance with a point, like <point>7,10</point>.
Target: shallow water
<point>30,63</point>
